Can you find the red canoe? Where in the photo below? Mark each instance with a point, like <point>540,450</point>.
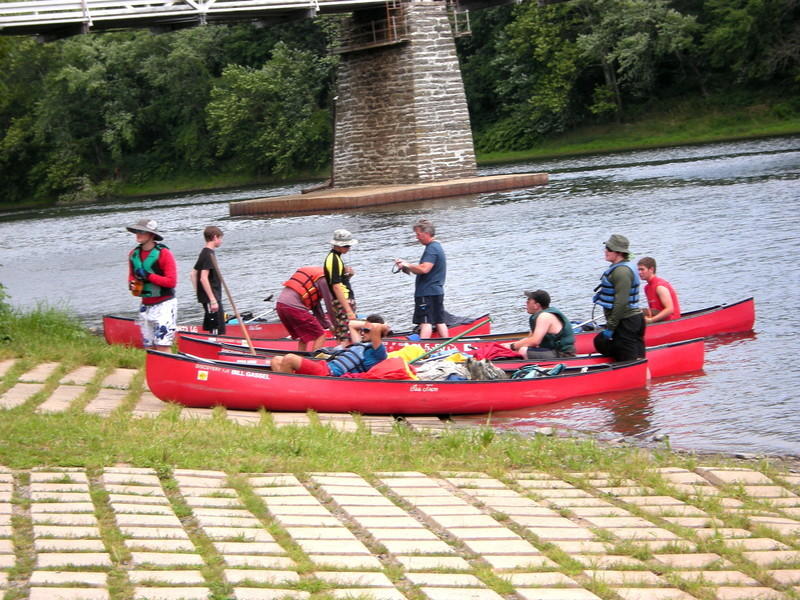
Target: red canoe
<point>197,383</point>
<point>125,330</point>
<point>676,358</point>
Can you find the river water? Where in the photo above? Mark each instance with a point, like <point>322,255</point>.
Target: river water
<point>721,219</point>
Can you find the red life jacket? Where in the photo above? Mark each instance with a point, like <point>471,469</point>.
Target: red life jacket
<point>304,282</point>
<point>653,301</point>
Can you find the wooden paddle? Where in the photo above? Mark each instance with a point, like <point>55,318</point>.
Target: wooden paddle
<point>451,340</point>
<point>233,304</point>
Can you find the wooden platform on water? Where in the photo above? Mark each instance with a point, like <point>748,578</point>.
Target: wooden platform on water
<point>335,199</point>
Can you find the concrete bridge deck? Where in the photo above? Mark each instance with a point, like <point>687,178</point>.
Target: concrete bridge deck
<point>335,199</point>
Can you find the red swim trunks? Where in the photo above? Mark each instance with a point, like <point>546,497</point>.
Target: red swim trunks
<point>301,324</point>
<point>313,367</point>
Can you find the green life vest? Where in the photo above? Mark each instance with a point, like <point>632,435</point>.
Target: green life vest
<point>150,265</point>
<point>564,340</point>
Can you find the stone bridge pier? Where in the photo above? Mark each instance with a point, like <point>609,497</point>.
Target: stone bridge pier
<point>401,112</point>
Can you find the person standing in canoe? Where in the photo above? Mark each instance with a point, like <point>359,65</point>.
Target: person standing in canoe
<point>551,332</point>
<point>431,272</point>
<point>299,307</point>
<point>337,277</point>
<point>207,284</point>
<point>357,358</point>
<point>618,295</point>
<point>152,276</point>
<point>662,300</point>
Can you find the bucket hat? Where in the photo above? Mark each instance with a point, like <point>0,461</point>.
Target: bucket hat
<point>146,226</point>
<point>617,243</point>
<point>342,238</point>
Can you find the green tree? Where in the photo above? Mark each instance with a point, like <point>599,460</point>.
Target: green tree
<point>628,39</point>
<point>756,40</point>
<point>270,120</point>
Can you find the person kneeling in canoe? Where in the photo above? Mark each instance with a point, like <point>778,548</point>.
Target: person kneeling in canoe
<point>551,332</point>
<point>357,358</point>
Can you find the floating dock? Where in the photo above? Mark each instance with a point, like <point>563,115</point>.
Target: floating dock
<point>336,199</point>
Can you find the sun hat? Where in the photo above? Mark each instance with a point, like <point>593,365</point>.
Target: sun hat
<point>343,238</point>
<point>617,243</point>
<point>146,226</point>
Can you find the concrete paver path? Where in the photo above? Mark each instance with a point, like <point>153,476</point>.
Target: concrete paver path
<point>406,535</point>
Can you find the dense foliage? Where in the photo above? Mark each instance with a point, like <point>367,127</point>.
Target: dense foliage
<point>81,114</point>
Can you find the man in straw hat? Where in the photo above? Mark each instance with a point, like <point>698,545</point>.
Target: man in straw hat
<point>153,275</point>
<point>337,277</point>
<point>618,295</point>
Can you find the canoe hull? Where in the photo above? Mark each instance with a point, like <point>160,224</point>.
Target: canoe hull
<point>192,383</point>
<point>125,330</point>
<point>677,358</point>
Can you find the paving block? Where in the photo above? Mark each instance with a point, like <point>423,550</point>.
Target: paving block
<point>370,593</point>
<point>444,580</point>
<point>82,578</point>
<point>261,576</point>
<point>238,534</point>
<point>149,405</point>
<point>47,560</point>
<point>692,561</point>
<point>61,399</point>
<point>62,545</point>
<point>748,593</point>
<point>165,533</point>
<point>40,372</point>
<point>80,376</point>
<point>53,593</point>
<point>5,365</point>
<point>417,547</point>
<point>106,401</point>
<point>786,576</point>
<point>263,561</point>
<point>249,547</point>
<point>171,593</point>
<point>556,594</point>
<point>765,559</point>
<point>719,577</point>
<point>501,547</point>
<point>411,534</point>
<point>449,593</point>
<point>119,378</point>
<point>346,561</point>
<point>160,545</point>
<point>166,559</point>
<point>244,593</point>
<point>41,508</point>
<point>719,476</point>
<point>519,561</point>
<point>354,578</point>
<point>321,533</point>
<point>19,394</point>
<point>173,578</point>
<point>430,563</point>
<point>553,579</point>
<point>625,578</point>
<point>653,594</point>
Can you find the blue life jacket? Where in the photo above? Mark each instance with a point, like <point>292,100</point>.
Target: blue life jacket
<point>605,291</point>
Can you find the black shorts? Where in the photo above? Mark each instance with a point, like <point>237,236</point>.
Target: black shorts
<point>428,309</point>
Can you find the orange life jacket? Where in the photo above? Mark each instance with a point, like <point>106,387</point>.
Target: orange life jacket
<point>304,282</point>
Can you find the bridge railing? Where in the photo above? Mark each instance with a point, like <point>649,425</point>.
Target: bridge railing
<point>27,15</point>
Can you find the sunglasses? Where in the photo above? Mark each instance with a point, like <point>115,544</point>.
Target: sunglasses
<point>365,330</point>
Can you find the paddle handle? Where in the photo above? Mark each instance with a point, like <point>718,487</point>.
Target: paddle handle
<point>451,340</point>
<point>233,304</point>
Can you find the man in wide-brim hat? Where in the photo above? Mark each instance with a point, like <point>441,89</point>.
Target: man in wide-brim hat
<point>153,276</point>
<point>618,295</point>
<point>337,276</point>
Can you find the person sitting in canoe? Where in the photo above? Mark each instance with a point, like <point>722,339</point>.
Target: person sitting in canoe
<point>357,358</point>
<point>551,332</point>
<point>661,297</point>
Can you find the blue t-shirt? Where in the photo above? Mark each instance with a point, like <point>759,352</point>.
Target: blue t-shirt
<point>432,282</point>
<point>363,356</point>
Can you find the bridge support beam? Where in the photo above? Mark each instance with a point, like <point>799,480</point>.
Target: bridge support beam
<point>401,112</point>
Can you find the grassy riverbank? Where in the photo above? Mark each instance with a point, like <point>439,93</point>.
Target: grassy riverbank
<point>75,438</point>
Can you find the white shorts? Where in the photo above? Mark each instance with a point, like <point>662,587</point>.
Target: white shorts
<point>157,322</point>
